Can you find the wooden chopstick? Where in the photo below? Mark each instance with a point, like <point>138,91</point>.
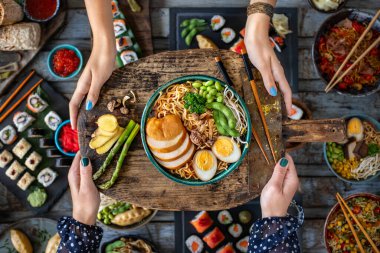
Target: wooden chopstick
<point>353,50</point>
<point>350,225</point>
<point>228,80</point>
<point>358,223</point>
<point>364,54</point>
<point>20,100</point>
<point>17,90</point>
<point>258,103</point>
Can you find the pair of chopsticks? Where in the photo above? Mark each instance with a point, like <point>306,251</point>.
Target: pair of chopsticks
<point>345,208</point>
<point>228,80</point>
<point>335,80</point>
<point>9,99</point>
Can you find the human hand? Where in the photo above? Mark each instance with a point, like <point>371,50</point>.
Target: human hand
<point>97,71</point>
<point>279,191</point>
<point>84,194</point>
<point>263,57</point>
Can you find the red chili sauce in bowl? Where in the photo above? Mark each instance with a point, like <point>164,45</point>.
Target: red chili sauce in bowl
<point>68,138</point>
<point>65,62</point>
<point>41,10</point>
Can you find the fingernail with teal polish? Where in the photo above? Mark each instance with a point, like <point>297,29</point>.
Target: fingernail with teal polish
<point>88,105</point>
<point>273,91</point>
<point>284,162</point>
<point>85,161</point>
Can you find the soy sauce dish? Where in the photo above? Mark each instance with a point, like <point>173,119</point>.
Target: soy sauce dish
<point>41,10</point>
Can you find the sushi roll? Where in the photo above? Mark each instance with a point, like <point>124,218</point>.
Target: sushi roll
<point>202,221</point>
<point>214,238</point>
<point>296,113</point>
<point>25,181</point>
<point>123,42</point>
<point>14,170</point>
<point>5,158</point>
<point>47,143</point>
<point>46,177</point>
<point>235,230</point>
<point>228,248</point>
<point>242,244</point>
<point>36,104</point>
<point>224,217</point>
<point>33,160</point>
<point>217,22</point>
<point>52,120</point>
<point>53,153</point>
<point>22,121</point>
<point>115,9</point>
<point>119,27</point>
<point>228,35</point>
<point>21,148</point>
<point>8,135</point>
<point>128,56</point>
<point>194,244</point>
<point>36,132</point>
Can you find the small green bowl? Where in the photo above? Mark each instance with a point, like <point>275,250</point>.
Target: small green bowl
<point>147,112</point>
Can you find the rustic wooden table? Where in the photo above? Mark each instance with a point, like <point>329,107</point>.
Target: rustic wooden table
<point>318,184</point>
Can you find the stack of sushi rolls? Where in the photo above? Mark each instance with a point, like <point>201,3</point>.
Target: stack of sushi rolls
<point>8,135</point>
<point>36,104</point>
<point>25,181</point>
<point>194,244</point>
<point>33,161</point>
<point>5,158</point>
<point>52,120</point>
<point>22,121</point>
<point>21,148</point>
<point>46,177</point>
<point>15,170</point>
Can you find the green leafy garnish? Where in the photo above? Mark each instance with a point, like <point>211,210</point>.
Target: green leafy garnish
<point>373,149</point>
<point>195,103</point>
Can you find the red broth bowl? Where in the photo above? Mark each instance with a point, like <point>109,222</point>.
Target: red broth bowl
<point>41,10</point>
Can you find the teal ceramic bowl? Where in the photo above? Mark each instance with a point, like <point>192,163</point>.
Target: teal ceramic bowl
<point>58,143</point>
<point>148,112</point>
<point>363,117</point>
<point>50,61</point>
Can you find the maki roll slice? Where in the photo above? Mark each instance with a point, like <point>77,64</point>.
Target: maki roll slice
<point>36,104</point>
<point>33,160</point>
<point>21,148</point>
<point>5,158</point>
<point>25,181</point>
<point>242,244</point>
<point>194,244</point>
<point>115,9</point>
<point>128,56</point>
<point>52,120</point>
<point>296,113</point>
<point>14,170</point>
<point>202,221</point>
<point>123,42</point>
<point>8,135</point>
<point>228,35</point>
<point>224,217</point>
<point>46,177</point>
<point>214,238</point>
<point>119,27</point>
<point>217,22</point>
<point>228,248</point>
<point>22,121</point>
<point>235,230</point>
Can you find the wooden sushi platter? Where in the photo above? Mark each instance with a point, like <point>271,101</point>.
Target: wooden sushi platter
<point>141,183</point>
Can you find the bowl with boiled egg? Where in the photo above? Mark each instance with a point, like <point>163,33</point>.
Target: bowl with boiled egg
<point>196,130</point>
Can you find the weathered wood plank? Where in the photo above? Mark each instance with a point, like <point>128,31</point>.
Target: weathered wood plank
<point>312,239</point>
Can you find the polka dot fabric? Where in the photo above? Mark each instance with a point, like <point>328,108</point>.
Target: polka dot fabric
<point>77,237</point>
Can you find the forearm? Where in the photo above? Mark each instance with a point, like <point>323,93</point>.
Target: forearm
<point>259,23</point>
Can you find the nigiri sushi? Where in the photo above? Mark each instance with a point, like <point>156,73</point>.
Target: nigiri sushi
<point>33,160</point>
<point>36,104</point>
<point>202,221</point>
<point>217,22</point>
<point>123,42</point>
<point>242,244</point>
<point>25,181</point>
<point>5,158</point>
<point>22,121</point>
<point>235,230</point>
<point>46,177</point>
<point>214,238</point>
<point>128,56</point>
<point>228,248</point>
<point>14,170</point>
<point>119,27</point>
<point>238,46</point>
<point>296,113</point>
<point>224,217</point>
<point>8,135</point>
<point>52,120</point>
<point>194,244</point>
<point>228,34</point>
<point>21,148</point>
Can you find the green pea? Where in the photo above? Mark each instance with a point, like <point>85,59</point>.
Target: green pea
<point>209,96</point>
<point>203,87</point>
<point>99,216</point>
<point>213,92</point>
<point>219,99</point>
<point>218,86</point>
<point>209,88</point>
<point>110,216</point>
<point>201,92</point>
<point>205,93</point>
<point>107,221</point>
<point>209,83</point>
<point>210,100</point>
<point>197,85</point>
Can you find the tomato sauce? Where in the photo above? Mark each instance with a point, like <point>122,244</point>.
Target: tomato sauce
<point>65,62</point>
<point>41,9</point>
<point>68,139</point>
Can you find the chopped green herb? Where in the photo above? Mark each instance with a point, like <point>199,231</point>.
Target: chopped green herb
<point>195,103</point>
<point>373,149</point>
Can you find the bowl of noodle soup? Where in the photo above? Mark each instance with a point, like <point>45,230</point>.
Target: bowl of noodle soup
<point>168,99</point>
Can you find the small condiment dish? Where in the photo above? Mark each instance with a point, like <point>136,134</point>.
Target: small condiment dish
<point>36,19</point>
<point>51,56</point>
<point>56,139</point>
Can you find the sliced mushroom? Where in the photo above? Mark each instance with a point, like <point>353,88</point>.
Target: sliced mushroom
<point>111,105</point>
<point>124,110</point>
<point>125,99</point>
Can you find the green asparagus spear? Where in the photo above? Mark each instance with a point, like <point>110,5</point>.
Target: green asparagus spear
<point>120,161</point>
<point>115,149</point>
<point>135,7</point>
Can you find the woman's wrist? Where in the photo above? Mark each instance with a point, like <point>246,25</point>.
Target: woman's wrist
<point>268,214</point>
<point>258,24</point>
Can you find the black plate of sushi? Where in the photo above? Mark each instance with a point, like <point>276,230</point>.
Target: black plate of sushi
<point>236,18</point>
<point>29,160</point>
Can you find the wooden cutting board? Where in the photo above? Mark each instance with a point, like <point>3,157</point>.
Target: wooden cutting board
<point>140,182</point>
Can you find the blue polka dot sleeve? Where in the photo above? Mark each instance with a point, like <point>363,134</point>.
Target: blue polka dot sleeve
<point>77,237</point>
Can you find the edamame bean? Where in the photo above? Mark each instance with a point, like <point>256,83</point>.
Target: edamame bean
<point>107,221</point>
<point>197,85</point>
<point>226,112</point>
<point>203,87</point>
<point>218,86</point>
<point>219,99</point>
<point>99,216</point>
<point>185,32</point>
<point>208,83</point>
<point>210,100</point>
<point>204,93</point>
<point>209,96</point>
<point>201,92</point>
<point>185,23</point>
<point>213,92</point>
<point>209,88</point>
<point>110,216</point>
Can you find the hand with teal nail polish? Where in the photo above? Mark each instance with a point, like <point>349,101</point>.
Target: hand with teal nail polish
<point>280,189</point>
<point>84,193</point>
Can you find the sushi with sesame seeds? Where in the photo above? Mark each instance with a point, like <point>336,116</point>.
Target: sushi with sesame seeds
<point>21,148</point>
<point>228,35</point>
<point>5,158</point>
<point>217,22</point>
<point>194,244</point>
<point>235,230</point>
<point>224,217</point>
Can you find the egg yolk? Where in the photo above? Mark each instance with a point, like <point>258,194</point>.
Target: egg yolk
<point>224,147</point>
<point>354,126</point>
<point>204,160</point>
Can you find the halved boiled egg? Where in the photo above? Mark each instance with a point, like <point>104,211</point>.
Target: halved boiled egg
<point>226,149</point>
<point>205,164</point>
